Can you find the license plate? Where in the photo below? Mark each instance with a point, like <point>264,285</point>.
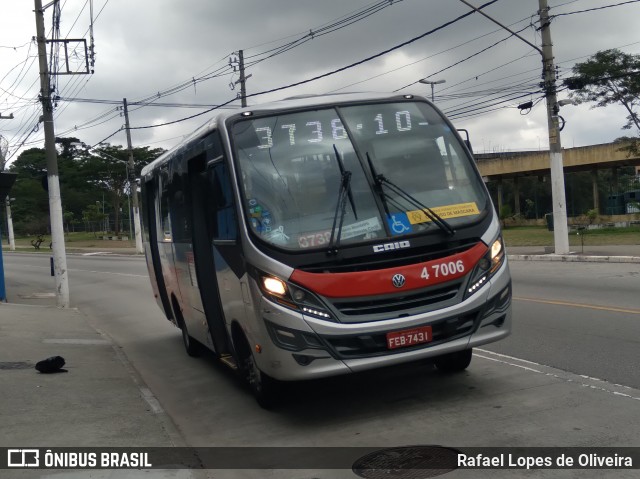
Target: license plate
<point>409,337</point>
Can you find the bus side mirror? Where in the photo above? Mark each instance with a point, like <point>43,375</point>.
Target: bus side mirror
<point>466,140</point>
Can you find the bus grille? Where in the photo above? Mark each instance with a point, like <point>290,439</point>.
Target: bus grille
<point>371,345</point>
<point>402,305</point>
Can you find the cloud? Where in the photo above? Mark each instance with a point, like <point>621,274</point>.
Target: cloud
<point>144,47</point>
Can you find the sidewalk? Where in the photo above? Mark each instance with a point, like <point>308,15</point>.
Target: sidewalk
<point>602,253</point>
<point>99,402</point>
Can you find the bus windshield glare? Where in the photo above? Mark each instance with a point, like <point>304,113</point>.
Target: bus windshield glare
<point>290,174</point>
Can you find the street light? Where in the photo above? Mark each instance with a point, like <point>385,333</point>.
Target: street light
<point>432,83</point>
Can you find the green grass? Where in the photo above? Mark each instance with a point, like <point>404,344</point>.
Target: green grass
<point>540,236</point>
<point>75,240</point>
<point>513,236</point>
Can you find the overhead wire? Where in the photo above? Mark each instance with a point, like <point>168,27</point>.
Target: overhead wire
<point>482,111</point>
<point>321,31</point>
<point>338,70</point>
<point>493,45</point>
<point>595,8</point>
<point>429,56</point>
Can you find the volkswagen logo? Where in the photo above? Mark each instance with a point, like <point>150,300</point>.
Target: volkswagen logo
<point>398,280</point>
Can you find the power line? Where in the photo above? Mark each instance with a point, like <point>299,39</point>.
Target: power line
<point>333,72</point>
<point>424,58</point>
<point>142,103</point>
<point>595,8</point>
<point>566,3</point>
<point>186,118</point>
<point>487,72</point>
<point>105,139</point>
<point>464,59</point>
<point>377,55</point>
<point>324,30</point>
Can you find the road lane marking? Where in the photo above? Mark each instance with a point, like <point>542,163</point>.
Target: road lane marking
<point>89,271</point>
<point>89,342</point>
<point>581,380</point>
<point>578,305</point>
<point>109,272</point>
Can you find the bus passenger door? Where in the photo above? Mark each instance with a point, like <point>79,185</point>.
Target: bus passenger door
<point>223,240</point>
<point>153,258</point>
<point>203,211</point>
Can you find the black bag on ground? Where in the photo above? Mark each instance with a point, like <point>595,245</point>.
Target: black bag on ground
<point>51,365</point>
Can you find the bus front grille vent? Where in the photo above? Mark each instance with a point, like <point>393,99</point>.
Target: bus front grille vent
<point>406,303</point>
<point>371,345</point>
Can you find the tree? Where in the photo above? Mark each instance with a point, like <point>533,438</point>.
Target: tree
<point>85,177</point>
<point>610,77</point>
<point>92,217</point>
<point>106,168</point>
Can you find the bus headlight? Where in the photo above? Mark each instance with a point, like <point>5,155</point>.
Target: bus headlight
<point>274,285</point>
<point>486,267</point>
<point>293,297</point>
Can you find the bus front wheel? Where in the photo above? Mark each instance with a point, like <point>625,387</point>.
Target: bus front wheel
<point>454,362</point>
<point>264,387</point>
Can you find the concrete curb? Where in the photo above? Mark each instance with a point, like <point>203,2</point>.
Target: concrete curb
<point>569,258</point>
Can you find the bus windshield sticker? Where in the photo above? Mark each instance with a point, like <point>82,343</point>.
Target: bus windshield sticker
<point>361,228</point>
<point>367,228</point>
<point>259,217</point>
<point>445,212</point>
<point>399,224</point>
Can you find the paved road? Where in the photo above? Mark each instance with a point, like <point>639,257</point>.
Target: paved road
<point>501,400</point>
<point>578,317</point>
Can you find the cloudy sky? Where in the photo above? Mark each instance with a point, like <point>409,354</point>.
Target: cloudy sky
<point>176,53</point>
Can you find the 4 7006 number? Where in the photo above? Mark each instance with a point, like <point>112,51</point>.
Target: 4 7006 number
<point>443,269</point>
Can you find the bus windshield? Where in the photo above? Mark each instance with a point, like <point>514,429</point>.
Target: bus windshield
<point>290,172</point>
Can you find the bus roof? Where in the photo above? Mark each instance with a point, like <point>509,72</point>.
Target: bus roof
<point>295,102</point>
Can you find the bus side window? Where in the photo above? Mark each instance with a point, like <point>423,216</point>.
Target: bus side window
<point>221,205</point>
<point>165,219</point>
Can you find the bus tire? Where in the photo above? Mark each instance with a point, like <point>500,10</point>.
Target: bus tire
<point>191,345</point>
<point>263,387</point>
<point>454,362</point>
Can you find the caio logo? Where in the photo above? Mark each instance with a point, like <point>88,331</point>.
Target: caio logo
<point>23,458</point>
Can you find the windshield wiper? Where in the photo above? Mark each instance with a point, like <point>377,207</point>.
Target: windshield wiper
<point>380,180</point>
<point>341,207</point>
<point>342,173</point>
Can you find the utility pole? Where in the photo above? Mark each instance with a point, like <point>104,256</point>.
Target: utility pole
<point>53,181</point>
<point>560,228</point>
<point>4,146</point>
<point>12,239</point>
<point>133,185</point>
<point>243,79</point>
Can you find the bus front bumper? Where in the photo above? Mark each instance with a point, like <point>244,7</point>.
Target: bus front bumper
<point>306,348</point>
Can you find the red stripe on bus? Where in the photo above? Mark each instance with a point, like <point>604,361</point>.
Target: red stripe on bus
<point>380,281</point>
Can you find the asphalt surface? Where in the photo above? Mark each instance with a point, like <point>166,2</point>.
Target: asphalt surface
<point>103,399</point>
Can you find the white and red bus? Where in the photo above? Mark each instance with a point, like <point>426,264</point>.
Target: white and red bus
<point>326,235</point>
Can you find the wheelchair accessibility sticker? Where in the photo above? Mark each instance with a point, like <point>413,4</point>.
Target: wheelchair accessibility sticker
<point>399,224</point>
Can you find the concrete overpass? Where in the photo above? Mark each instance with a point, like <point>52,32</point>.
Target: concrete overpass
<point>514,165</point>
